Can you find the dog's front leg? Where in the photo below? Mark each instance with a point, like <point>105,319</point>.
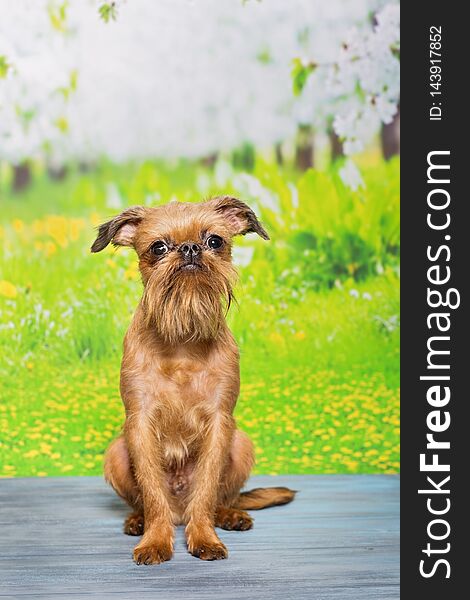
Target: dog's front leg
<point>201,537</point>
<point>156,545</point>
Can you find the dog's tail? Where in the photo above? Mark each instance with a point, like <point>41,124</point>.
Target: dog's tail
<point>264,497</point>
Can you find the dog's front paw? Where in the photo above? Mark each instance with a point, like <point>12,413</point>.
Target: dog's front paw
<point>233,519</point>
<point>204,543</point>
<point>152,554</point>
<point>134,524</point>
<point>209,550</point>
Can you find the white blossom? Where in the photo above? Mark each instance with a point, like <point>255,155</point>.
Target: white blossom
<point>174,78</point>
<point>366,79</point>
<point>33,96</point>
<point>351,176</point>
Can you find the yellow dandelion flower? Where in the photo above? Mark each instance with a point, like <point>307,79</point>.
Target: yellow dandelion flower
<point>31,454</point>
<point>276,338</point>
<point>56,227</point>
<point>7,289</point>
<point>49,248</point>
<point>18,225</point>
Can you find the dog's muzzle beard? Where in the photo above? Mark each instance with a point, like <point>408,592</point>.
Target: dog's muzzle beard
<point>187,306</point>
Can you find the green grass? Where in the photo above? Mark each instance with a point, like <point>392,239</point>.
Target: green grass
<point>317,321</point>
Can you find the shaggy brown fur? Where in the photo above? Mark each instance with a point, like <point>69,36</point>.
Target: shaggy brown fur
<point>180,458</point>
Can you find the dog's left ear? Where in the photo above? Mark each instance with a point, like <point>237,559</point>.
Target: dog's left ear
<point>241,218</point>
<point>120,230</point>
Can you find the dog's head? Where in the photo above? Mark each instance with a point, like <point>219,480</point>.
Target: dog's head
<point>185,260</point>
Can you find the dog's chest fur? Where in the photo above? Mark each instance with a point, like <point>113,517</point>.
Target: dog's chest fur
<point>180,390</point>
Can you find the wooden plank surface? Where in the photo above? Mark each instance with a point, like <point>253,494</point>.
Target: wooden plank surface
<point>62,538</point>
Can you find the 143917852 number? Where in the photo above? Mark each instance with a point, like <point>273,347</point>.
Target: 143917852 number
<point>435,57</point>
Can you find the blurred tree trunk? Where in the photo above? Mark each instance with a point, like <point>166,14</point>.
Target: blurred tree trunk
<point>86,166</point>
<point>390,137</point>
<point>336,145</point>
<point>21,176</point>
<point>57,173</point>
<point>304,147</point>
<point>278,153</point>
<point>390,133</point>
<point>209,160</point>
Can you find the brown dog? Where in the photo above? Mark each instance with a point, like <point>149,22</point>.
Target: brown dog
<point>181,459</point>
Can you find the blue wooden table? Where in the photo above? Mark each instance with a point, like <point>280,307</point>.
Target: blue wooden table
<point>339,539</point>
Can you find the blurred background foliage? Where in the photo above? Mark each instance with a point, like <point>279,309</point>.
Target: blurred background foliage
<point>297,114</point>
<point>317,319</point>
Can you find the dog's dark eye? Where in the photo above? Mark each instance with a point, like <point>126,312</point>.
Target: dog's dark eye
<point>214,242</point>
<point>159,248</point>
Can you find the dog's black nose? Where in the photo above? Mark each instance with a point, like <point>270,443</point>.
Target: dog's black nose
<point>190,249</point>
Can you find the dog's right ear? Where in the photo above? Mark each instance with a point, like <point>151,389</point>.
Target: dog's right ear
<point>120,230</point>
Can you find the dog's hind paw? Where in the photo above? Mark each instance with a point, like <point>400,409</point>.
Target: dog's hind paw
<point>134,524</point>
<point>233,519</point>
